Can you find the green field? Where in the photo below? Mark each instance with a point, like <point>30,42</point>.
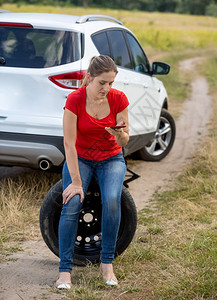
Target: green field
<point>174,253</point>
<point>165,32</point>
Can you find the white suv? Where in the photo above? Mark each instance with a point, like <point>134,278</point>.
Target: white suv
<point>43,58</point>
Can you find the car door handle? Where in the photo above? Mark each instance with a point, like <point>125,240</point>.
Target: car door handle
<point>126,82</point>
<point>145,85</point>
<point>2,118</point>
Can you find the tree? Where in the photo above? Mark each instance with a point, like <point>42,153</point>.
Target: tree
<point>85,3</point>
<point>211,9</point>
<point>194,7</point>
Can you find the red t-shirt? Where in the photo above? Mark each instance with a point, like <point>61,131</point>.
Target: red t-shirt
<point>93,141</point>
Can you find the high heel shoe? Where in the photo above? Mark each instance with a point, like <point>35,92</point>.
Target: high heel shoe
<point>63,285</point>
<point>109,281</point>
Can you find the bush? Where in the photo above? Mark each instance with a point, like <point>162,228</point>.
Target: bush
<point>211,10</point>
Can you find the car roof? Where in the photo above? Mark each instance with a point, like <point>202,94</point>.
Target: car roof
<point>61,21</point>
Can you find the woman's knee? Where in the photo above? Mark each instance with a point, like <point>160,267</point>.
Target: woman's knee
<point>73,206</point>
<point>112,204</point>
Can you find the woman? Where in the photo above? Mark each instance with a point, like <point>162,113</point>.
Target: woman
<point>93,148</point>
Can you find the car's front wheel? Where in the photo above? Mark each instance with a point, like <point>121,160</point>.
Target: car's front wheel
<point>88,242</point>
<point>160,146</point>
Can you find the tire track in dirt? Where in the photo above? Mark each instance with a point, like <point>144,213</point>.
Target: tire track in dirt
<point>36,268</point>
<point>191,127</point>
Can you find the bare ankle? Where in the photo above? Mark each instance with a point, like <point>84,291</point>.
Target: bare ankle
<point>107,269</point>
<point>64,277</point>
<point>108,274</point>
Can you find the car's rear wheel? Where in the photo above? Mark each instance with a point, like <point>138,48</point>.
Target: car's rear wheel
<point>160,146</point>
<point>88,243</point>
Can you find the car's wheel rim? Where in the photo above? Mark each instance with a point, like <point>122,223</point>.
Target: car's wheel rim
<point>162,138</point>
<point>89,235</point>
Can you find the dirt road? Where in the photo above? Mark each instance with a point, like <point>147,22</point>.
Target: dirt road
<point>33,273</point>
<point>190,130</point>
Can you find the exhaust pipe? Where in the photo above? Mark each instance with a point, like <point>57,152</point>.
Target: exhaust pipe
<point>44,165</point>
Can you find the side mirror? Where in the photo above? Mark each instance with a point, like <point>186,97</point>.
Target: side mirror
<point>160,68</point>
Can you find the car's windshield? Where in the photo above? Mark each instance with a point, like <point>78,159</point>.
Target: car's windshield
<point>38,48</point>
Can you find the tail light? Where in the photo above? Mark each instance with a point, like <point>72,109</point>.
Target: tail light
<point>69,80</point>
<point>12,24</point>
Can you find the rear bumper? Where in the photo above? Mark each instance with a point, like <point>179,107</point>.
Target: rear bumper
<point>30,150</point>
<point>20,149</point>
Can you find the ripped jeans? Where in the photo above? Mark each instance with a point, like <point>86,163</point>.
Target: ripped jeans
<point>109,174</point>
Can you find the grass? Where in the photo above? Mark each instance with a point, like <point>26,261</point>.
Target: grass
<point>173,255</point>
<point>20,201</point>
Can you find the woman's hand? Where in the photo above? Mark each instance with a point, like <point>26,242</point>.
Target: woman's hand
<point>115,132</point>
<point>121,134</point>
<point>71,191</point>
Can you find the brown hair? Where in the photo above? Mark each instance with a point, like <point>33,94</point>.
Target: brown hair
<point>98,65</point>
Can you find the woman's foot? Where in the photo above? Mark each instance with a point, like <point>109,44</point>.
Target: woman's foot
<point>64,281</point>
<point>108,274</point>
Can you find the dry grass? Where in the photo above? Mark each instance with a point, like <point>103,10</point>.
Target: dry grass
<point>20,201</point>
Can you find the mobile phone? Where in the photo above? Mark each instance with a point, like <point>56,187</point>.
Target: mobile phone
<point>117,126</point>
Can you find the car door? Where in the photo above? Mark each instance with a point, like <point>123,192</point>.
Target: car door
<point>133,78</point>
<point>144,91</point>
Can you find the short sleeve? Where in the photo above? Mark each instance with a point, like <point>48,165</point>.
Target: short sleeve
<point>74,101</point>
<point>122,102</point>
<point>71,104</point>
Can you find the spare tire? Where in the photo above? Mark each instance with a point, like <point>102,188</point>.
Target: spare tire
<point>88,243</point>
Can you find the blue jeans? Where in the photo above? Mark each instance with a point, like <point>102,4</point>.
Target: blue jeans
<point>109,174</point>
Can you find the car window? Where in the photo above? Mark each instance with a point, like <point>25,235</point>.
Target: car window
<point>38,48</point>
<point>101,42</point>
<point>119,50</point>
<point>141,64</point>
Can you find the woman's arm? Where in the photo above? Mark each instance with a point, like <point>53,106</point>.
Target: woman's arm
<point>70,134</point>
<point>122,134</point>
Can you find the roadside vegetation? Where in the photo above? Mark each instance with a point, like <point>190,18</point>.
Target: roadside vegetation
<point>174,252</point>
<point>155,31</point>
<point>193,7</point>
